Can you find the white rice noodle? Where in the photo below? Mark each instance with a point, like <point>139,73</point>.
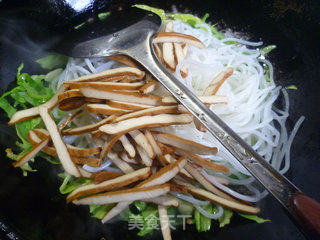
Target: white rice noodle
<point>244,42</point>
<point>210,215</point>
<point>287,146</point>
<point>190,199</point>
<point>69,139</point>
<point>104,166</point>
<point>254,198</point>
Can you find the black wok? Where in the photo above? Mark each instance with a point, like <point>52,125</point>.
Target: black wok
<point>32,207</point>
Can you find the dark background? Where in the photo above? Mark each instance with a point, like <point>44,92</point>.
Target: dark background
<point>32,208</point>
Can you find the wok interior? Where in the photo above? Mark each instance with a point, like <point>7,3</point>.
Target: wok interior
<point>33,205</point>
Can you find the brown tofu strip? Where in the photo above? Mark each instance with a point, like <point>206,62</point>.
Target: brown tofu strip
<point>165,149</point>
<point>105,109</point>
<point>106,85</point>
<point>114,211</point>
<point>239,207</point>
<point>205,183</point>
<point>158,52</point>
<point>184,144</point>
<point>148,112</point>
<point>126,105</point>
<point>74,151</point>
<point>60,146</point>
<point>127,146</point>
<point>122,95</point>
<point>176,187</point>
<point>69,94</point>
<point>70,104</point>
<point>199,125</point>
<point>167,50</point>
<point>202,161</point>
<point>83,152</point>
<point>169,27</point>
<point>185,49</point>
<point>69,119</point>
<point>88,128</point>
<point>100,177</point>
<point>164,175</point>
<point>145,121</point>
<point>35,140</point>
<point>168,159</point>
<point>126,61</point>
<point>124,157</point>
<point>22,115</point>
<point>91,161</point>
<point>107,146</point>
<point>164,222</point>
<point>166,200</point>
<point>179,57</point>
<point>31,153</point>
<point>84,173</point>
<point>145,159</point>
<point>153,143</point>
<point>111,184</point>
<point>122,165</point>
<point>142,141</point>
<point>119,79</point>
<point>163,37</point>
<point>168,55</point>
<point>41,134</point>
<point>216,83</point>
<point>116,72</point>
<point>94,100</point>
<point>131,194</point>
<point>149,87</point>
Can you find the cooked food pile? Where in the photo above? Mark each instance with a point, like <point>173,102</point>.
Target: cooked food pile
<point>122,139</point>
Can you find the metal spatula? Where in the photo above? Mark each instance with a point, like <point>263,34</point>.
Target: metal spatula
<point>131,33</point>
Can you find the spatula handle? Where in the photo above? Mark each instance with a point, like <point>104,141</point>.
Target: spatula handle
<point>279,186</point>
<point>307,210</point>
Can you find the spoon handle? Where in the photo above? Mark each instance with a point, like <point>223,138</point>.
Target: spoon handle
<point>279,186</point>
<point>307,210</point>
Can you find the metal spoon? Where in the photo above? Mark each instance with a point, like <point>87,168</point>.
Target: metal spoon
<point>106,38</point>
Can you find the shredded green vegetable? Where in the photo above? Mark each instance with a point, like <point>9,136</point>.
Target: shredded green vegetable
<point>53,61</point>
<point>150,217</point>
<point>157,11</point>
<point>190,19</point>
<point>103,16</point>
<point>99,211</point>
<point>292,87</point>
<point>79,25</point>
<point>264,51</point>
<point>71,183</point>
<point>141,206</point>
<point>185,208</point>
<point>254,218</point>
<point>225,218</point>
<point>26,167</point>
<point>202,222</point>
<point>6,106</point>
<point>30,91</point>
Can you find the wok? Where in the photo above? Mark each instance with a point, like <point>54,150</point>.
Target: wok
<point>32,207</point>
